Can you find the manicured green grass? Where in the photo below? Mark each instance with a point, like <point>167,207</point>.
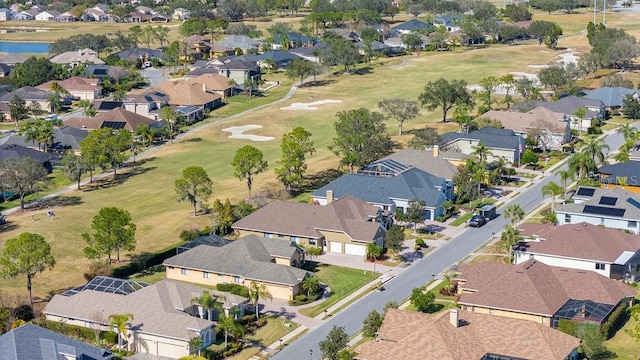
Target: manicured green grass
<point>461,219</point>
<point>342,281</point>
<point>436,290</point>
<point>625,347</point>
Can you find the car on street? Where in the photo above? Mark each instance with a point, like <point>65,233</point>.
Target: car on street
<point>477,221</point>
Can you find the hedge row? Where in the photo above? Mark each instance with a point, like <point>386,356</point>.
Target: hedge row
<point>144,262</point>
<point>85,334</point>
<point>616,320</point>
<point>235,289</point>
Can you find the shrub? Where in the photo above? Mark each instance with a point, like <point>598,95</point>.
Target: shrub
<point>301,298</point>
<point>441,218</point>
<point>261,322</point>
<point>551,218</point>
<point>615,321</point>
<point>109,336</point>
<point>232,348</point>
<point>98,268</point>
<point>23,312</point>
<point>420,242</point>
<point>594,130</point>
<point>144,262</point>
<point>235,289</point>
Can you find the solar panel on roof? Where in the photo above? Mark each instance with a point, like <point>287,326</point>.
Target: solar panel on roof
<point>113,124</point>
<point>608,200</point>
<point>634,202</point>
<point>585,191</point>
<point>601,210</point>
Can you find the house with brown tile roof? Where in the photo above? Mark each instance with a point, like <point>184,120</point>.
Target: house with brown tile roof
<point>343,226</point>
<point>213,83</point>
<point>538,292</point>
<point>457,334</point>
<point>78,87</point>
<point>266,261</point>
<point>146,102</point>
<point>554,127</point>
<point>190,94</point>
<point>117,118</point>
<point>609,252</point>
<point>164,316</point>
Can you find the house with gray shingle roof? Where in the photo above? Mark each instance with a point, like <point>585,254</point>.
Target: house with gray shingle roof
<point>13,151</point>
<point>616,208</point>
<point>35,343</point>
<point>266,261</point>
<point>442,164</point>
<point>343,226</point>
<point>164,320</point>
<point>501,142</point>
<point>410,26</point>
<point>390,186</point>
<point>64,137</point>
<point>611,97</point>
<point>240,42</point>
<point>568,105</point>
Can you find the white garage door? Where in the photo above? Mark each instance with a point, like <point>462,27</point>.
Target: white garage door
<point>336,247</point>
<point>354,249</point>
<point>171,350</point>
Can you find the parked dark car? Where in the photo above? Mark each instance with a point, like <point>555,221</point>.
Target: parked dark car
<point>477,221</point>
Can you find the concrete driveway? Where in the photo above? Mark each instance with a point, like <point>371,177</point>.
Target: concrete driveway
<point>155,76</point>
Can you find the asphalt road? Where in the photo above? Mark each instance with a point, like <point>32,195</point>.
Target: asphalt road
<point>418,274</point>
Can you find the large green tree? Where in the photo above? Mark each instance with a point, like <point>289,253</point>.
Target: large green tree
<point>106,148</point>
<point>74,166</point>
<point>361,138</point>
<point>394,238</point>
<point>27,254</point>
<point>400,110</point>
<point>334,343</point>
<point>416,213</point>
<point>299,69</point>
<point>294,148</point>
<point>372,323</point>
<point>424,302</point>
<point>22,176</point>
<point>35,71</point>
<point>247,163</point>
<point>18,109</point>
<point>445,94</point>
<point>195,186</point>
<point>113,230</point>
<point>228,325</point>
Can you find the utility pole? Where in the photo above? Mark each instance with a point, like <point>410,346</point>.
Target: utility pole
<point>604,12</point>
<point>595,6</point>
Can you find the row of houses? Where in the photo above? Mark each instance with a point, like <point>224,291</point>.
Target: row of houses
<point>99,12</point>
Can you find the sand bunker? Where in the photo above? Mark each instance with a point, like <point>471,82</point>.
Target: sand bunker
<point>309,106</point>
<point>237,132</point>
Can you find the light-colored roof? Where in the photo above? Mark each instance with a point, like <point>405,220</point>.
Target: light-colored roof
<point>425,161</point>
<point>347,214</point>
<point>536,288</point>
<point>130,120</point>
<point>538,118</point>
<point>212,82</point>
<point>580,241</point>
<point>73,84</point>
<point>183,93</point>
<point>610,96</point>
<point>156,309</point>
<point>416,336</point>
<point>80,56</point>
<point>251,257</point>
<point>12,59</point>
<point>27,93</point>
<point>626,210</point>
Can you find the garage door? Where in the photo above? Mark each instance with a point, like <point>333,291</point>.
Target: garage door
<point>171,350</point>
<point>354,249</point>
<point>336,247</point>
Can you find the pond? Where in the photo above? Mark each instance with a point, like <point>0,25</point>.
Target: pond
<point>24,47</point>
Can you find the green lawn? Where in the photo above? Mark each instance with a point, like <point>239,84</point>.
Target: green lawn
<point>461,219</point>
<point>625,347</point>
<point>342,281</point>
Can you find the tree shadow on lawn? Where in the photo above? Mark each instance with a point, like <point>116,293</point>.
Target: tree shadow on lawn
<point>317,83</point>
<point>109,181</point>
<point>8,226</point>
<point>57,201</point>
<point>192,140</point>
<point>319,179</point>
<point>280,313</point>
<point>313,266</point>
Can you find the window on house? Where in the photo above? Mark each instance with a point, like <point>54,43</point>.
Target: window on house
<point>295,240</point>
<point>567,218</point>
<point>632,224</point>
<point>206,275</point>
<point>220,275</point>
<point>280,236</point>
<point>601,221</point>
<point>183,271</point>
<point>268,235</point>
<point>313,242</point>
<point>601,266</point>
<point>237,279</point>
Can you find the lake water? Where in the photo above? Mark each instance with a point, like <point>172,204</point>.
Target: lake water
<point>24,47</point>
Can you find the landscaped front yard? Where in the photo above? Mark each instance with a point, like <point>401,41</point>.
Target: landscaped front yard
<point>342,282</point>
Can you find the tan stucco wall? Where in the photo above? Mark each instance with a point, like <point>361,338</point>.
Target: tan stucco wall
<point>510,314</point>
<point>303,241</point>
<point>195,276</point>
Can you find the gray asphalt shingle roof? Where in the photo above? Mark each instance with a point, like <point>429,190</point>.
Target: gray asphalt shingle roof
<point>35,343</point>
<point>65,137</point>
<point>27,93</point>
<point>629,170</point>
<point>424,160</point>
<point>631,212</point>
<point>610,96</point>
<point>491,137</point>
<point>408,185</point>
<point>568,105</point>
<point>249,257</point>
<point>412,25</point>
<point>10,151</point>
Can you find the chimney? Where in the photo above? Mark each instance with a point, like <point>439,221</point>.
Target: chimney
<point>329,196</point>
<point>436,150</point>
<point>204,87</point>
<point>583,311</point>
<point>453,318</point>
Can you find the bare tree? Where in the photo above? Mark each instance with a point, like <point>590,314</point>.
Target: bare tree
<point>117,73</point>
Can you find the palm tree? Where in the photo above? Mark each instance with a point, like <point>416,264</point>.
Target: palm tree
<point>119,321</point>
<point>248,85</point>
<point>373,251</point>
<point>509,237</point>
<point>554,190</point>
<point>195,344</point>
<point>257,292</point>
<point>311,284</point>
<point>145,132</point>
<point>56,88</point>
<point>581,163</point>
<point>448,281</point>
<point>462,115</point>
<point>623,154</point>
<point>627,132</point>
<point>84,104</point>
<point>481,152</point>
<point>208,303</point>
<point>515,213</point>
<point>233,85</point>
<point>44,133</point>
<point>500,168</point>
<point>595,149</point>
<point>55,104</point>
<point>565,175</point>
<point>228,324</point>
